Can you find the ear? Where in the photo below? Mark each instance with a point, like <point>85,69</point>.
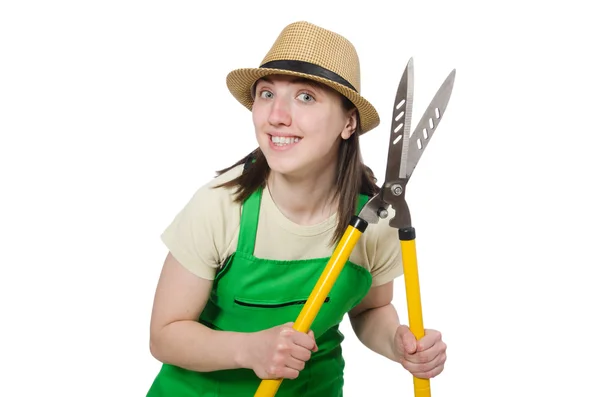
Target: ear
<point>351,123</point>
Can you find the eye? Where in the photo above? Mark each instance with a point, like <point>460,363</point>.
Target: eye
<point>266,94</point>
<point>304,97</point>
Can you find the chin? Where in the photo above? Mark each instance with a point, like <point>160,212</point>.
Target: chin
<point>280,165</point>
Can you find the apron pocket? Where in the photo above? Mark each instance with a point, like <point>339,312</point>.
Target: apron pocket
<point>263,304</point>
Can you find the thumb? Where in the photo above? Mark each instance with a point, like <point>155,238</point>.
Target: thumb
<point>407,338</point>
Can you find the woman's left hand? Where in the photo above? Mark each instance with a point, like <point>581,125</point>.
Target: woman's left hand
<point>424,358</point>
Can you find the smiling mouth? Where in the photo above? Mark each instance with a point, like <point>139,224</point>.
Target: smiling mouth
<point>283,141</point>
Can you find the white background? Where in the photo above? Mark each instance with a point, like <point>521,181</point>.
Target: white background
<point>113,113</point>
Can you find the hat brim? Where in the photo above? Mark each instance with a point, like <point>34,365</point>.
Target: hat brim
<point>240,81</point>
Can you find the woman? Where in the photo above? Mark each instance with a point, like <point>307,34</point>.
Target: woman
<point>248,248</point>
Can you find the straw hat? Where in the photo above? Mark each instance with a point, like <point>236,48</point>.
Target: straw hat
<point>306,50</point>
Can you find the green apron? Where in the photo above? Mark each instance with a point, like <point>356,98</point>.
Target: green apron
<point>252,294</point>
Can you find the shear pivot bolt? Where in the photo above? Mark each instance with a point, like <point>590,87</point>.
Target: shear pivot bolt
<point>382,213</point>
<point>396,190</point>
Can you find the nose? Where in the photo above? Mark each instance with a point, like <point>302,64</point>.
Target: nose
<point>280,113</point>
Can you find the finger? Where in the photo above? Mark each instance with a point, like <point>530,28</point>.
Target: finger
<point>304,340</point>
<point>295,364</point>
<point>278,372</point>
<point>300,353</point>
<point>430,338</point>
<point>429,374</point>
<point>416,364</point>
<point>288,373</point>
<point>312,335</point>
<point>431,355</point>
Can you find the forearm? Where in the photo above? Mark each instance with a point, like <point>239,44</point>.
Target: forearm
<point>193,346</point>
<point>376,328</point>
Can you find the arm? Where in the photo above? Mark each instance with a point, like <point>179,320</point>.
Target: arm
<point>375,320</point>
<point>176,336</point>
<point>376,324</point>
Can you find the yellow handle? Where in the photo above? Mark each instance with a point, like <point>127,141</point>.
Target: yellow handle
<point>269,387</point>
<point>413,300</point>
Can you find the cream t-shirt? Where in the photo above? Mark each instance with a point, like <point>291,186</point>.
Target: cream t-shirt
<point>205,233</point>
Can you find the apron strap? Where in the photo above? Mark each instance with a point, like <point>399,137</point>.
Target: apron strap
<point>362,200</point>
<point>249,223</point>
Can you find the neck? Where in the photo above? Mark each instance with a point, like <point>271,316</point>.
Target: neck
<point>305,200</point>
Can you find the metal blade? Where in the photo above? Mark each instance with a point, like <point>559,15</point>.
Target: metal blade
<point>429,122</point>
<point>400,129</point>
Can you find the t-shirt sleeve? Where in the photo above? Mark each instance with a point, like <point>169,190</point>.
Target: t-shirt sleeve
<point>386,254</point>
<point>201,234</point>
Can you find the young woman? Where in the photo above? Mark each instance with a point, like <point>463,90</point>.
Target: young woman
<point>246,251</point>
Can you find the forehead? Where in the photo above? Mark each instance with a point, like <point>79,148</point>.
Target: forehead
<point>294,80</point>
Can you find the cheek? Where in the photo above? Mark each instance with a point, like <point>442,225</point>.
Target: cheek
<point>259,120</point>
<point>255,114</point>
<point>326,128</point>
<point>314,124</point>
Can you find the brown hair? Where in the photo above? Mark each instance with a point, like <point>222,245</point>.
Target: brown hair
<point>353,177</point>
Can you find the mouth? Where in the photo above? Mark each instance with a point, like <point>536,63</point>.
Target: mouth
<point>281,141</point>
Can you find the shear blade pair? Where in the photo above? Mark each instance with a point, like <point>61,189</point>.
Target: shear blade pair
<point>405,149</point>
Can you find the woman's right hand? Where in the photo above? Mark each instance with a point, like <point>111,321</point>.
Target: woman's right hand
<point>279,352</point>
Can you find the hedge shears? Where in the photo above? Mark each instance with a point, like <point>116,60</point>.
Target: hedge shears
<point>404,151</point>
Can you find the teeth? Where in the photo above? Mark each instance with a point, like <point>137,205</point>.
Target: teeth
<point>281,141</point>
